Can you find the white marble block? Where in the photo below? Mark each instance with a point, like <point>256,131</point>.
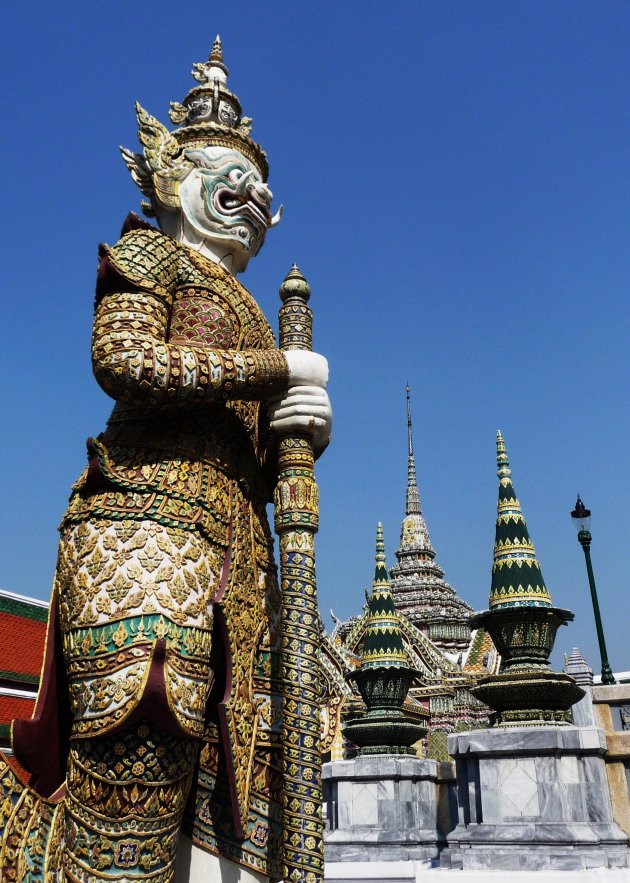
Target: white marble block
<point>533,798</point>
<point>384,808</point>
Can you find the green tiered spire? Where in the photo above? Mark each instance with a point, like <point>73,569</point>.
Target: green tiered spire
<point>522,624</point>
<point>382,645</point>
<point>517,580</point>
<point>384,675</point>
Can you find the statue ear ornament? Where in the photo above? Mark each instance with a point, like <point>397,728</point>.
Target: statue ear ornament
<point>210,115</point>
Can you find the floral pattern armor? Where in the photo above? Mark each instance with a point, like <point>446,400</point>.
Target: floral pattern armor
<point>166,593</point>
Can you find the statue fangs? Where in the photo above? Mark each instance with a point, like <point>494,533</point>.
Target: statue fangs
<point>160,706</point>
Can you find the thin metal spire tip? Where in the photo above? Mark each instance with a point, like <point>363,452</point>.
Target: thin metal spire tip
<point>409,430</point>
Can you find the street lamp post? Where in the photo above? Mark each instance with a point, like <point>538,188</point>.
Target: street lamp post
<point>582,519</point>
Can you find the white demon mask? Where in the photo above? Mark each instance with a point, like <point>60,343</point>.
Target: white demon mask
<point>225,201</point>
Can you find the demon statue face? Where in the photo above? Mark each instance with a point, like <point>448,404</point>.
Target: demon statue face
<point>225,205</point>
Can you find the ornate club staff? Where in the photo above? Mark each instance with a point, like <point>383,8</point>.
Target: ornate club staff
<point>296,521</point>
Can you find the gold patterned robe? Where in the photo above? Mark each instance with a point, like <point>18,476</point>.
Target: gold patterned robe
<point>166,588</point>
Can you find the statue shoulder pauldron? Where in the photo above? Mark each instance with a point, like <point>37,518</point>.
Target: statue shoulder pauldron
<point>144,257</point>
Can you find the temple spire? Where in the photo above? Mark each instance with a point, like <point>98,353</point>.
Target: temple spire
<point>408,391</point>
<point>383,645</point>
<point>384,674</point>
<point>412,504</point>
<point>417,581</point>
<point>503,464</point>
<point>517,580</point>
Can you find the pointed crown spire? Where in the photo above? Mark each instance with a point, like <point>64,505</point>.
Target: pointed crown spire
<point>215,58</point>
<point>210,115</point>
<point>517,580</point>
<point>210,108</point>
<point>382,644</point>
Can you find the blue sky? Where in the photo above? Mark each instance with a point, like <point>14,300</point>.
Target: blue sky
<point>455,183</point>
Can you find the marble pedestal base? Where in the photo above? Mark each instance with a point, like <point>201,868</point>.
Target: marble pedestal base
<point>384,808</point>
<point>533,798</point>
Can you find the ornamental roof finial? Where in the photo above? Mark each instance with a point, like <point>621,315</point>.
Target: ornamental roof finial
<point>412,503</point>
<point>503,464</point>
<point>517,580</point>
<point>380,570</point>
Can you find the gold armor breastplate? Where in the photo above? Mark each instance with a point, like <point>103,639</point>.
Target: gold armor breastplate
<point>200,318</point>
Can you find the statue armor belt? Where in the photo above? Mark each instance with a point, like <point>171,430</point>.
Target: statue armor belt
<point>166,589</point>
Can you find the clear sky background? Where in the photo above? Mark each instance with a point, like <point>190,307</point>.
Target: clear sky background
<point>455,182</point>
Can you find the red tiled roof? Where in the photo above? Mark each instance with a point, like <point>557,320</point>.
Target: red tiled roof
<point>17,768</point>
<point>21,644</point>
<point>14,706</point>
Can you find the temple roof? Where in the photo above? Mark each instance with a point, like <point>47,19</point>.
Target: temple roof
<point>417,581</point>
<point>22,639</point>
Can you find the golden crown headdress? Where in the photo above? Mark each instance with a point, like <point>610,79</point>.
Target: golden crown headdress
<point>209,115</point>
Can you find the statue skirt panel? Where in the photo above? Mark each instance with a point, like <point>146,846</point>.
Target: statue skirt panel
<point>143,604</point>
<point>136,617</point>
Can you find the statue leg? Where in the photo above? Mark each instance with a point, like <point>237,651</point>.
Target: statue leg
<point>30,831</point>
<point>126,797</point>
<point>136,617</point>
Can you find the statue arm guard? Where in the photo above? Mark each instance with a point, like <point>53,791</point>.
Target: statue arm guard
<point>132,359</point>
<point>134,364</point>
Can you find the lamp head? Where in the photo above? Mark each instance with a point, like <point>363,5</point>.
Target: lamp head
<point>581,517</point>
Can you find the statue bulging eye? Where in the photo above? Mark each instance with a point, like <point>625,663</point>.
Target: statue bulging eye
<point>236,175</point>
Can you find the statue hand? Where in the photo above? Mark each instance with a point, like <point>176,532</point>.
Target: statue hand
<point>306,368</point>
<point>303,409</point>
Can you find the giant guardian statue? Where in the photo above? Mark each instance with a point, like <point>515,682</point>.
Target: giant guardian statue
<point>160,703</point>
